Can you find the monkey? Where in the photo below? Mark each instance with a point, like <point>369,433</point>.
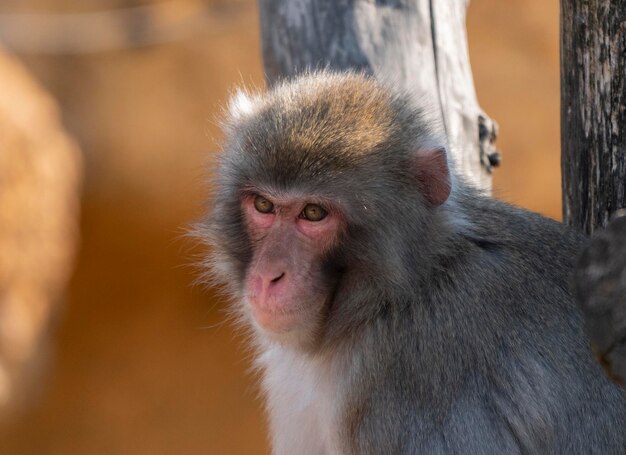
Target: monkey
<point>394,308</point>
<point>600,289</point>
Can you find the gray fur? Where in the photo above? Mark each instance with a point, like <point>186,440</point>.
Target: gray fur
<point>452,329</point>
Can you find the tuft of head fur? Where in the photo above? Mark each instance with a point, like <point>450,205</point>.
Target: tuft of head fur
<point>241,105</point>
<point>321,108</point>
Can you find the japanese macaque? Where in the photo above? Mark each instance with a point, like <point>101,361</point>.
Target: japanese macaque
<point>394,308</point>
<point>600,288</point>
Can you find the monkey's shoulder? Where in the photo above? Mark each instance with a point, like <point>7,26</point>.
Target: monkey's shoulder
<point>512,237</point>
<point>514,225</point>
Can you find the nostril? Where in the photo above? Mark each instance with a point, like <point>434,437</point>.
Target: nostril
<point>275,280</point>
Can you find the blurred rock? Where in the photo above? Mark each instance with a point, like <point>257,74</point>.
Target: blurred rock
<point>39,181</point>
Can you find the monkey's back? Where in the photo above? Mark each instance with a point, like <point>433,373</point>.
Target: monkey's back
<point>554,396</point>
<point>497,360</point>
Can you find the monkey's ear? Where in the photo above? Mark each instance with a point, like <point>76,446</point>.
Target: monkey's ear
<point>433,174</point>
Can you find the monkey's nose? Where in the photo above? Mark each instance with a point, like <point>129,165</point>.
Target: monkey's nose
<point>272,282</point>
<point>277,278</point>
<point>268,281</point>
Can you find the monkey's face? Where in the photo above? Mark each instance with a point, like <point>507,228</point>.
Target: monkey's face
<point>288,285</point>
<point>323,186</point>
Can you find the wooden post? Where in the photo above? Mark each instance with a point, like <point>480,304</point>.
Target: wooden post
<point>420,45</point>
<point>593,111</point>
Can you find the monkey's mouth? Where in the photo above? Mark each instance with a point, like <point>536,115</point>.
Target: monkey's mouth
<point>277,320</point>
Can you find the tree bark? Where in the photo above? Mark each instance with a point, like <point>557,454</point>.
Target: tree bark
<point>593,113</point>
<point>419,45</point>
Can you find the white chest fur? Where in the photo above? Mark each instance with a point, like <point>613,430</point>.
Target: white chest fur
<point>304,400</point>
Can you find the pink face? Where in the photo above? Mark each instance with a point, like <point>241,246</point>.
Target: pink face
<point>285,286</point>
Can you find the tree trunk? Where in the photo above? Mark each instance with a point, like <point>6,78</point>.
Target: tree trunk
<point>420,45</point>
<point>593,112</point>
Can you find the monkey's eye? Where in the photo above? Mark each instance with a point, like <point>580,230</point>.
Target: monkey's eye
<point>263,205</point>
<point>313,212</point>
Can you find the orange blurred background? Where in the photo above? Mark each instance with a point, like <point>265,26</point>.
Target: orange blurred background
<point>142,360</point>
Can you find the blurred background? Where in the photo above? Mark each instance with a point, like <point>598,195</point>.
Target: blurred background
<point>108,114</point>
